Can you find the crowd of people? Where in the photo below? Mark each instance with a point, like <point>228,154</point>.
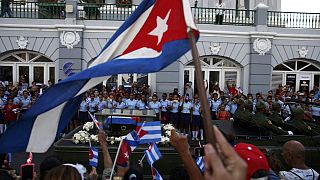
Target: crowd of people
<point>183,110</point>
<point>241,161</point>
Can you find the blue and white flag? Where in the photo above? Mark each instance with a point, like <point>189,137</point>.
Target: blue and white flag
<point>93,157</point>
<point>155,174</point>
<point>200,163</point>
<point>153,154</point>
<point>151,132</point>
<point>132,140</point>
<point>153,37</point>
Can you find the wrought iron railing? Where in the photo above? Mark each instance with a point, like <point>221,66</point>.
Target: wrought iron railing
<point>118,12</point>
<point>114,12</point>
<point>201,15</point>
<point>230,16</point>
<point>34,10</point>
<point>293,20</point>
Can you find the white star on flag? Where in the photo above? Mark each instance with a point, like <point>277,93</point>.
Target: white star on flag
<point>161,28</point>
<point>126,155</point>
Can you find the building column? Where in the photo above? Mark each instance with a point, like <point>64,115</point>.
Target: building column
<point>260,69</point>
<point>70,35</point>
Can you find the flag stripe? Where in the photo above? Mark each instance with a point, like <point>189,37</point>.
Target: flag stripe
<point>47,129</point>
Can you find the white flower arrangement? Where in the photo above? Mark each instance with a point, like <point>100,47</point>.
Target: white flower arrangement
<point>81,136</point>
<point>88,126</point>
<point>167,133</point>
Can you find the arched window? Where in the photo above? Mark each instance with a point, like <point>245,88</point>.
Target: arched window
<point>27,65</point>
<point>297,73</point>
<point>216,71</point>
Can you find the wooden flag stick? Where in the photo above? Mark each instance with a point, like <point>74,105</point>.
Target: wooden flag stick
<point>208,128</point>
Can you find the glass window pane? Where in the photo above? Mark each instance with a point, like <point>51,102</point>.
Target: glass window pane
<point>6,73</point>
<point>11,59</point>
<point>281,67</point>
<point>142,79</point>
<point>230,78</point>
<point>42,59</point>
<point>38,74</point>
<point>316,80</point>
<point>213,79</point>
<point>22,55</point>
<point>311,68</point>
<point>52,74</point>
<point>195,82</point>
<point>276,81</point>
<point>291,64</point>
<point>127,79</point>
<point>186,76</point>
<point>112,82</point>
<point>301,64</point>
<point>24,74</point>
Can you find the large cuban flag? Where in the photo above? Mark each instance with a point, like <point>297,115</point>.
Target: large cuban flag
<point>153,37</point>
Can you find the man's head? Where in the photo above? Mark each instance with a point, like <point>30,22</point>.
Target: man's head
<point>293,153</point>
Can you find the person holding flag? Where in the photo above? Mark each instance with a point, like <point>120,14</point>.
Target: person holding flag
<point>153,37</point>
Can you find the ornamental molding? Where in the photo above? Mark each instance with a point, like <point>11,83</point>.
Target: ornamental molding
<point>214,48</point>
<point>22,42</point>
<point>261,45</point>
<point>303,51</point>
<point>69,39</point>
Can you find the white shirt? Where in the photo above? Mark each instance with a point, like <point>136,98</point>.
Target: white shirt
<point>220,8</point>
<point>298,174</point>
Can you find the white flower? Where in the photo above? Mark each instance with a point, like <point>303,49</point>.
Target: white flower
<point>168,133</point>
<point>112,142</point>
<point>117,139</point>
<point>88,126</point>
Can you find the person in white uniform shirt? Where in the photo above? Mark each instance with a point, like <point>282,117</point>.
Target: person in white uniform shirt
<point>220,6</point>
<point>293,153</point>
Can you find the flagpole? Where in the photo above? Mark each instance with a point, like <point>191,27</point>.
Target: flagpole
<point>115,159</point>
<point>208,128</point>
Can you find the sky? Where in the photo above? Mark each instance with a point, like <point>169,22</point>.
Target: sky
<point>301,6</point>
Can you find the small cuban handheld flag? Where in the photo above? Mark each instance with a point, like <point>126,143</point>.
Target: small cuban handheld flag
<point>200,163</point>
<point>152,154</point>
<point>152,132</point>
<point>132,139</point>
<point>153,37</point>
<point>96,122</point>
<point>93,157</point>
<point>155,174</point>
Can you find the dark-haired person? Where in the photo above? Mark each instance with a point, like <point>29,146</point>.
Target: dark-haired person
<point>164,109</point>
<point>47,164</point>
<point>185,107</point>
<point>119,104</point>
<point>142,102</point>
<point>83,111</point>
<point>174,111</point>
<point>155,105</point>
<point>214,105</point>
<point>131,103</point>
<point>25,101</point>
<point>10,112</point>
<point>196,117</point>
<point>93,104</point>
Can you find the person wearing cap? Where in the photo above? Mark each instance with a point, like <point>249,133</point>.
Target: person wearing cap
<point>301,127</point>
<point>293,153</point>
<point>275,116</point>
<point>239,111</point>
<point>264,123</point>
<point>257,162</point>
